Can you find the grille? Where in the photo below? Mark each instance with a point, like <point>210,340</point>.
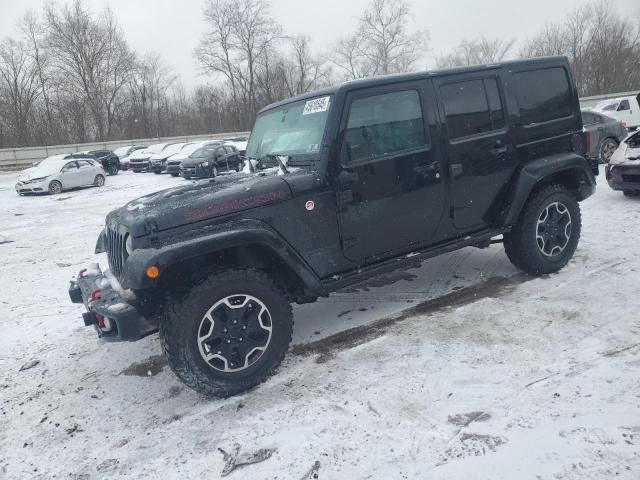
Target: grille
<point>631,177</point>
<point>116,251</point>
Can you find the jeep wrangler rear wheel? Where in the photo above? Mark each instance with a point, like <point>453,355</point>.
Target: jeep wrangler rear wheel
<point>547,233</point>
<point>228,333</point>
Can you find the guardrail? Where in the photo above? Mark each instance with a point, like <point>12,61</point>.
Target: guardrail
<point>20,158</point>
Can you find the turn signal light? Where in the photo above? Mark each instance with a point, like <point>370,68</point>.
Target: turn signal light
<point>153,271</point>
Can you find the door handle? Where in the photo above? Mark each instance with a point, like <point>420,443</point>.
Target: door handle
<point>427,168</point>
<point>455,170</point>
<point>500,150</point>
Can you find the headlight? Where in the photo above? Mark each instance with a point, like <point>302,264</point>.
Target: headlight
<point>128,244</point>
<point>36,180</point>
<point>205,164</point>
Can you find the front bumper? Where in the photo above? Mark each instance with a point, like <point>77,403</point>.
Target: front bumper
<point>113,318</point>
<point>194,172</point>
<point>173,168</point>
<point>623,177</point>
<point>158,167</point>
<point>139,166</point>
<point>36,187</point>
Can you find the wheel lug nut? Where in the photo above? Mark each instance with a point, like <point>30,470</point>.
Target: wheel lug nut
<point>235,321</point>
<point>224,330</point>
<point>240,339</point>
<point>244,327</point>
<point>228,341</point>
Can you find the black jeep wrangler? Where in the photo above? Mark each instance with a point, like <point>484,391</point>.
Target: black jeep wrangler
<point>349,182</point>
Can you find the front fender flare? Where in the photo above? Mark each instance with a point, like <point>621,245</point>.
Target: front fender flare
<point>538,170</point>
<point>246,232</point>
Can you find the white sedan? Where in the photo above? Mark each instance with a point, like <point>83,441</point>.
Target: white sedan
<point>54,175</point>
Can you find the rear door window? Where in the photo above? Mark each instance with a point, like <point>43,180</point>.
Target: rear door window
<point>384,124</point>
<point>543,95</point>
<point>588,118</point>
<point>472,107</point>
<point>624,105</point>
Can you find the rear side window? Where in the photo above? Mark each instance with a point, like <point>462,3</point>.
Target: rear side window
<point>384,124</point>
<point>543,95</point>
<point>624,105</point>
<point>472,107</point>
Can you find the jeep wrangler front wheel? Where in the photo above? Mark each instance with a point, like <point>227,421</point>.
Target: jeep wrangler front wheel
<point>547,233</point>
<point>228,333</point>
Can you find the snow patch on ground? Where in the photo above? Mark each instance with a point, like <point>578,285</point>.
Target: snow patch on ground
<point>458,368</point>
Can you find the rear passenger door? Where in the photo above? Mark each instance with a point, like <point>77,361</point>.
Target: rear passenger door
<point>479,146</point>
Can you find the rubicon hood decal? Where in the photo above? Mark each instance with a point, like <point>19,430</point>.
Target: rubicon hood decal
<point>236,205</point>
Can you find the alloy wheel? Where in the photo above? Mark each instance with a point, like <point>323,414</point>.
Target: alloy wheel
<point>234,333</point>
<point>553,230</point>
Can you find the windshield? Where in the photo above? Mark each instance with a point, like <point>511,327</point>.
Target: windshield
<point>202,153</point>
<point>606,106</point>
<point>295,129</point>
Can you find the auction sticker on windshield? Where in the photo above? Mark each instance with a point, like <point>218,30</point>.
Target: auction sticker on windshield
<point>316,105</point>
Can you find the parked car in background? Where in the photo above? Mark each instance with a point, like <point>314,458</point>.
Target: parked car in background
<point>623,170</point>
<point>209,161</point>
<point>109,160</point>
<point>625,109</point>
<point>158,161</point>
<point>58,174</point>
<point>603,134</point>
<point>174,161</point>
<point>124,152</point>
<point>139,160</point>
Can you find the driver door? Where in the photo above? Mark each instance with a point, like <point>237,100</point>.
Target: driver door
<point>390,192</point>
<point>71,175</point>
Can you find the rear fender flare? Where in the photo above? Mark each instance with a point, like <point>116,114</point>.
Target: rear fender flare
<point>546,168</point>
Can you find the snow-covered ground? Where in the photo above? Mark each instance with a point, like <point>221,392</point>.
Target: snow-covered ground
<point>461,368</point>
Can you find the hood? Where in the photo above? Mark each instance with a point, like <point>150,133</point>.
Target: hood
<point>42,170</point>
<point>140,154</point>
<point>198,201</point>
<point>628,153</point>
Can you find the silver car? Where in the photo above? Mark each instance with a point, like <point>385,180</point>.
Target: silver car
<point>603,135</point>
<point>59,173</point>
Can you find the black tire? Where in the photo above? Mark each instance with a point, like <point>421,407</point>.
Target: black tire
<point>525,245</point>
<point>607,147</point>
<point>213,172</point>
<point>174,174</point>
<point>55,187</point>
<point>631,193</point>
<point>157,172</point>
<point>184,320</point>
<point>112,169</point>
<point>98,181</point>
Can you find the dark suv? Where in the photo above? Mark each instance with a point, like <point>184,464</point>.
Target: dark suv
<point>351,182</point>
<point>109,160</point>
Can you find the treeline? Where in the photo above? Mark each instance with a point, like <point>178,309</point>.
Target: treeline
<point>70,75</point>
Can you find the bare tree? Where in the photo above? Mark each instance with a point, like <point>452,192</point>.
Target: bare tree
<point>477,51</point>
<point>382,43</point>
<point>240,33</point>
<point>18,87</point>
<point>32,31</point>
<point>602,47</point>
<point>93,58</point>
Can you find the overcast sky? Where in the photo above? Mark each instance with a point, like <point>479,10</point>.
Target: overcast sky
<point>173,27</point>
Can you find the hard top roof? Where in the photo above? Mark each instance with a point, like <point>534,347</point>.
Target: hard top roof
<point>403,77</point>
